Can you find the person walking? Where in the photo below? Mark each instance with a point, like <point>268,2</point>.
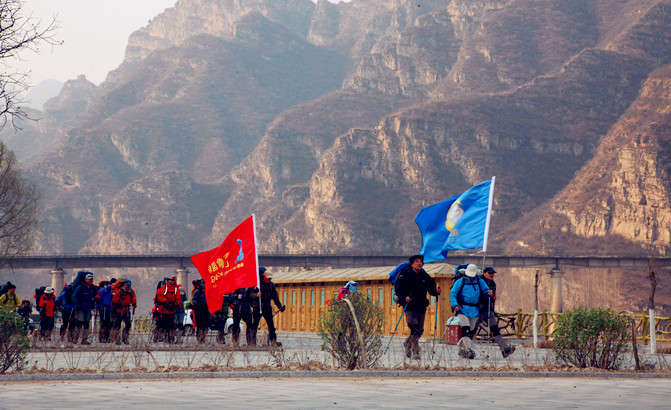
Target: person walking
<point>10,300</point>
<point>47,309</point>
<point>465,298</point>
<point>84,298</point>
<point>66,306</point>
<point>167,298</point>
<point>104,306</point>
<point>123,301</point>
<point>411,288</point>
<point>268,293</point>
<point>242,310</point>
<point>488,314</point>
<point>202,314</point>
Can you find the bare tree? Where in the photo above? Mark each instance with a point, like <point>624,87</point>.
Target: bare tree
<point>18,33</point>
<point>19,207</point>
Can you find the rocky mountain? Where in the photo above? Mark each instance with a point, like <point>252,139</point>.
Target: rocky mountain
<point>336,123</point>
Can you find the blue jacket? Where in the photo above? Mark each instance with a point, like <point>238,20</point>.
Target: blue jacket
<point>104,302</point>
<point>64,300</point>
<point>84,297</point>
<point>466,292</point>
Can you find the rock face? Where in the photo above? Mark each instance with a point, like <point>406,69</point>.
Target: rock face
<point>336,123</point>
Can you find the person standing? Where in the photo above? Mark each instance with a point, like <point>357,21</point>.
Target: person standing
<point>123,301</point>
<point>47,313</point>
<point>104,306</point>
<point>268,293</point>
<point>84,298</point>
<point>202,314</point>
<point>66,305</point>
<point>488,315</point>
<point>412,285</point>
<point>465,298</point>
<point>10,300</point>
<point>168,297</point>
<point>242,310</point>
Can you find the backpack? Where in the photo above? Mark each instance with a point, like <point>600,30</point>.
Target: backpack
<point>393,275</point>
<point>38,295</point>
<point>4,288</point>
<point>393,278</point>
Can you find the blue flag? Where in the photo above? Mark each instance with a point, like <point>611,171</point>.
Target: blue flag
<point>460,222</point>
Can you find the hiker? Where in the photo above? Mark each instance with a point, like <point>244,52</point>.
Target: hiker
<point>10,300</point>
<point>168,297</point>
<point>242,310</point>
<point>66,305</point>
<point>123,300</point>
<point>220,317</point>
<point>104,306</point>
<point>268,293</point>
<point>465,298</point>
<point>488,315</point>
<point>411,287</point>
<point>25,310</point>
<point>84,298</point>
<point>47,313</point>
<point>202,314</point>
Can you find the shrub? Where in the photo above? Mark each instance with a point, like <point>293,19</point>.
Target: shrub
<point>14,342</point>
<point>338,331</point>
<point>591,338</point>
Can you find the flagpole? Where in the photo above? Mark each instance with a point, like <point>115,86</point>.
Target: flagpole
<point>258,280</point>
<point>484,244</point>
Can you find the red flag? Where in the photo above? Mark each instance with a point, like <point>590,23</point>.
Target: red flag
<point>233,265</point>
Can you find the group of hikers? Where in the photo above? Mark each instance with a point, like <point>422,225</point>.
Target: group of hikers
<point>248,305</point>
<point>114,302</point>
<point>472,297</point>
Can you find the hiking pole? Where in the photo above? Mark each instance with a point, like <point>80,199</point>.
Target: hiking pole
<point>435,327</point>
<point>394,332</point>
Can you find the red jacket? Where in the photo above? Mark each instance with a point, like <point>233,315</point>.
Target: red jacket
<point>123,300</point>
<point>48,304</point>
<point>168,298</point>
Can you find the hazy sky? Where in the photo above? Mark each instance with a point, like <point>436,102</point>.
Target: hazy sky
<point>94,35</point>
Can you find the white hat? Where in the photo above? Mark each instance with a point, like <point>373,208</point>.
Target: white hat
<point>471,270</point>
<point>49,289</point>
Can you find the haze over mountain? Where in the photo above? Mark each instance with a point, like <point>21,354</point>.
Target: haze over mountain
<point>336,123</point>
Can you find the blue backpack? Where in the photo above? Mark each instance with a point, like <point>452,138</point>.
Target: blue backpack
<point>393,275</point>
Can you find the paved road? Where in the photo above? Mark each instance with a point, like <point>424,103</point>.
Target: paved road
<point>369,393</point>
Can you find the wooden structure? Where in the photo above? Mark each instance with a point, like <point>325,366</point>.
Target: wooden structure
<point>305,294</point>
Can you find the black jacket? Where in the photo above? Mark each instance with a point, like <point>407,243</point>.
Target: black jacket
<point>268,293</point>
<point>415,285</point>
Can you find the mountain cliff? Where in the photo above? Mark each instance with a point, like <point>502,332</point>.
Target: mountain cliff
<point>336,123</point>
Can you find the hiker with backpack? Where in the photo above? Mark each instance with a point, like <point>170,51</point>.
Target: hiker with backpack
<point>66,305</point>
<point>242,310</point>
<point>488,315</point>
<point>47,307</point>
<point>267,294</point>
<point>411,287</point>
<point>123,301</point>
<point>465,298</point>
<point>84,298</point>
<point>202,313</point>
<point>104,306</point>
<point>10,299</point>
<point>168,298</point>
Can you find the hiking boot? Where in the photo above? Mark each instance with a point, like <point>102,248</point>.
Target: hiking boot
<point>408,348</point>
<point>507,351</point>
<point>467,354</point>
